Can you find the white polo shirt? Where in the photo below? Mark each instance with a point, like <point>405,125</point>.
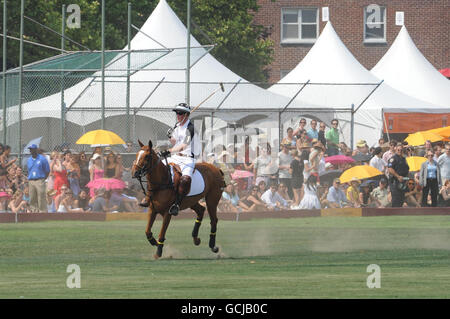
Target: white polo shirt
<point>185,134</point>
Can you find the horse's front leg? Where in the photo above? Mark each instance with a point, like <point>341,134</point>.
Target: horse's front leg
<point>148,230</point>
<point>162,234</point>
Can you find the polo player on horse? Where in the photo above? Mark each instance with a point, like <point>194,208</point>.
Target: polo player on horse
<point>184,150</point>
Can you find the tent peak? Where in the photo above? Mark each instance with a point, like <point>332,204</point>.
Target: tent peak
<point>406,69</point>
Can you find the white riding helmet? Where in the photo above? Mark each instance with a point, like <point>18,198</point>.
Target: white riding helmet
<point>182,107</point>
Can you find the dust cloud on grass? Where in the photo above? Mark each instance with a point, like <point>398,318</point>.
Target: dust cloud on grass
<point>170,252</point>
<point>265,240</point>
<point>346,240</point>
<point>257,242</point>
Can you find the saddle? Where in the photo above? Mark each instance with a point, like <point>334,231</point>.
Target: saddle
<point>197,182</point>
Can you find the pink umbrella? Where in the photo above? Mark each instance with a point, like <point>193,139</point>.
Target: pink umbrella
<point>339,159</point>
<point>241,174</point>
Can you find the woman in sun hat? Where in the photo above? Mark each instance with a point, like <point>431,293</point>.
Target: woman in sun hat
<point>315,157</point>
<point>98,180</point>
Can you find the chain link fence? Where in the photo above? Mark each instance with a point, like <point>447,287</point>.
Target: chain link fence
<point>65,97</point>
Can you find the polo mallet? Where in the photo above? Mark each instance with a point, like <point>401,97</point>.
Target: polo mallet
<point>215,91</point>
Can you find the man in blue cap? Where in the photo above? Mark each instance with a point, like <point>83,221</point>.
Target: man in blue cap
<point>38,170</point>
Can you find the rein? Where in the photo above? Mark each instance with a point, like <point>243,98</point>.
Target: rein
<point>146,169</point>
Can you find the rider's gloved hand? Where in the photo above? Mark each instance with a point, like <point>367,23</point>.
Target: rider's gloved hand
<point>165,153</point>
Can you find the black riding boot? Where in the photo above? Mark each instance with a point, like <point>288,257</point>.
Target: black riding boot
<point>183,190</point>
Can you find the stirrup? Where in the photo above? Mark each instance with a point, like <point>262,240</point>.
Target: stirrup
<point>174,210</point>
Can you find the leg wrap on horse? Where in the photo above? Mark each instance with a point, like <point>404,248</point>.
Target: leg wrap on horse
<point>183,190</point>
<point>151,239</point>
<point>212,237</point>
<point>212,243</point>
<point>200,210</point>
<point>196,228</point>
<point>160,247</point>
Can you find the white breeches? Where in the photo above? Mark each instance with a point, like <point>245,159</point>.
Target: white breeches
<point>186,164</point>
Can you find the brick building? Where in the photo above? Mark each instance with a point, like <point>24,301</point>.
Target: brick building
<point>366,30</point>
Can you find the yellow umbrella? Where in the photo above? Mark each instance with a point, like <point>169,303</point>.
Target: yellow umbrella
<point>443,131</point>
<point>100,137</point>
<point>414,162</point>
<point>419,138</point>
<point>359,172</point>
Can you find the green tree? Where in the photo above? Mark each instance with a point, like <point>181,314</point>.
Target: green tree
<point>240,44</point>
<point>48,13</point>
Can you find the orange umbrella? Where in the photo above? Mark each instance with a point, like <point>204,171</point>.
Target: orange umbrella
<point>100,137</point>
<point>419,138</point>
<point>414,162</point>
<point>359,172</point>
<point>443,131</point>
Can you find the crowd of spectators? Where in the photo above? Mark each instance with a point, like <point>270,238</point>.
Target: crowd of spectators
<point>65,181</point>
<point>295,177</point>
<point>299,177</point>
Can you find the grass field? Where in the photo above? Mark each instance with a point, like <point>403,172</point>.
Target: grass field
<point>263,258</point>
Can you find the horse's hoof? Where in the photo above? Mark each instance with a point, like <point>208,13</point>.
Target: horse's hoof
<point>197,241</point>
<point>215,249</point>
<point>156,256</point>
<point>144,204</point>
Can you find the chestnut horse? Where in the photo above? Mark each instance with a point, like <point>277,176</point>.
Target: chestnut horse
<point>161,190</point>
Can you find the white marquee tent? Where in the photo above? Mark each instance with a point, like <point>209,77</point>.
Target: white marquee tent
<point>405,68</point>
<point>330,62</point>
<point>158,86</point>
<point>155,87</point>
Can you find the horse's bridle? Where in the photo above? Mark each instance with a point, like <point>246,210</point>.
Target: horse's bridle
<point>140,171</point>
<point>145,169</point>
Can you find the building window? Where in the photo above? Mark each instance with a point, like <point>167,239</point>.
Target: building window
<point>299,25</point>
<point>374,24</point>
